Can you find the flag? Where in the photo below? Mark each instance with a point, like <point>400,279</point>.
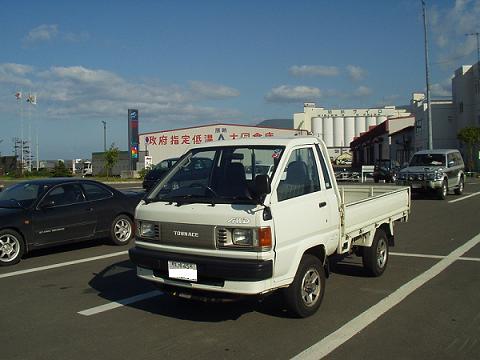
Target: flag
<point>18,95</point>
<point>32,99</point>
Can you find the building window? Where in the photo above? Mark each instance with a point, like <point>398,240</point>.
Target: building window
<point>460,107</point>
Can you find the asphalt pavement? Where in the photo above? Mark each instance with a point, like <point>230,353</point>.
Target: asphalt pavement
<point>84,301</point>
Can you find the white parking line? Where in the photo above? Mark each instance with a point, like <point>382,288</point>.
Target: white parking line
<point>68,263</point>
<point>431,256</point>
<point>463,198</point>
<point>353,327</point>
<point>113,305</point>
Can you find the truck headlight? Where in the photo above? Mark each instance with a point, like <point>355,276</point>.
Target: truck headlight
<point>256,239</point>
<point>243,237</point>
<point>438,175</point>
<point>147,229</point>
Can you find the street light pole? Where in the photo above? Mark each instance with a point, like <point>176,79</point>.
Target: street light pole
<point>427,78</point>
<point>104,136</point>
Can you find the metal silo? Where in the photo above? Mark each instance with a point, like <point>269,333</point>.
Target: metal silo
<point>349,130</point>
<point>371,121</point>
<point>359,125</point>
<point>338,130</point>
<point>317,127</point>
<point>381,119</point>
<point>328,131</point>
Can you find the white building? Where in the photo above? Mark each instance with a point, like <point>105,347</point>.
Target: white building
<point>338,127</point>
<point>161,145</point>
<point>444,126</point>
<point>466,96</point>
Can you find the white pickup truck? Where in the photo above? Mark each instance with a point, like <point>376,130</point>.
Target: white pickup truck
<point>209,232</point>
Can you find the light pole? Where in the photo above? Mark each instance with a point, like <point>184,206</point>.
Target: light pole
<point>104,136</point>
<point>427,78</point>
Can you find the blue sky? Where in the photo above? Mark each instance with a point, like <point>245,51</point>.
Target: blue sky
<point>187,63</point>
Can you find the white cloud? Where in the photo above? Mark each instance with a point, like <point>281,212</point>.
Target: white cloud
<point>287,94</point>
<point>362,91</point>
<point>50,32</point>
<point>314,70</point>
<point>442,89</point>
<point>356,73</point>
<point>213,91</point>
<point>77,91</point>
<point>448,28</point>
<point>43,32</point>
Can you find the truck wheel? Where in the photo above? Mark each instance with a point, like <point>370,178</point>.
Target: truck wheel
<point>443,191</point>
<point>461,185</point>
<point>121,231</point>
<point>375,257</point>
<point>304,295</point>
<point>12,247</point>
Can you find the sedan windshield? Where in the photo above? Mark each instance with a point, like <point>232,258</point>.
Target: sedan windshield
<point>428,159</point>
<point>217,175</point>
<point>20,195</point>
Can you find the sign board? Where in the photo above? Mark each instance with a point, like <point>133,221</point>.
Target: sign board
<point>133,138</point>
<point>148,162</point>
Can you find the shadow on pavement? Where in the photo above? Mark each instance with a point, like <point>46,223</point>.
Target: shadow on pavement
<point>119,281</point>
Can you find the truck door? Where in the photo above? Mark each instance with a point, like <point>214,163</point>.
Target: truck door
<point>300,209</point>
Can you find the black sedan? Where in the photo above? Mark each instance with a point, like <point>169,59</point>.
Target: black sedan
<point>48,212</point>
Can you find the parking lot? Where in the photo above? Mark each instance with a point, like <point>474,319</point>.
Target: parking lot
<point>84,301</point>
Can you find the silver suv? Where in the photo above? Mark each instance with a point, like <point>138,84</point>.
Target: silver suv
<point>437,170</point>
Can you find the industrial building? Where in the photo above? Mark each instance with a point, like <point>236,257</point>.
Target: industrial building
<point>338,127</point>
<point>161,145</point>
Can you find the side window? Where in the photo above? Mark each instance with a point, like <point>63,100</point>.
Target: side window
<point>300,175</point>
<point>96,192</point>
<point>66,194</point>
<point>450,158</point>
<point>326,176</point>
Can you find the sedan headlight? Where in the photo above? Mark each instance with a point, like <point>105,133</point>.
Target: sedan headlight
<point>147,229</point>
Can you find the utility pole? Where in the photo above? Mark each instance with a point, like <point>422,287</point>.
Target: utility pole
<point>427,78</point>
<point>104,136</point>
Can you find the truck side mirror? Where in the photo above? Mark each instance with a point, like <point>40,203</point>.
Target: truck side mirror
<point>262,185</point>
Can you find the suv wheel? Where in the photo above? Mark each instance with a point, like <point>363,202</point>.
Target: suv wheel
<point>461,185</point>
<point>443,191</point>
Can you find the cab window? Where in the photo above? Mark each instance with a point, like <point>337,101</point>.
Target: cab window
<point>300,176</point>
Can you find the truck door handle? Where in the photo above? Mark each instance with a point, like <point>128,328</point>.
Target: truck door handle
<point>322,204</point>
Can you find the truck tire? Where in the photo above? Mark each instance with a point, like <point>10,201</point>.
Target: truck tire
<point>461,186</point>
<point>12,247</point>
<point>443,191</point>
<point>304,295</point>
<point>375,257</point>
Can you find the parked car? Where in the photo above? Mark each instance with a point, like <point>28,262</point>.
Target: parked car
<point>43,213</point>
<point>157,172</point>
<point>435,170</point>
<point>386,169</point>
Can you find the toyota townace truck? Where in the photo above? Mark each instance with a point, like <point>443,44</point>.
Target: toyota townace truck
<point>212,233</point>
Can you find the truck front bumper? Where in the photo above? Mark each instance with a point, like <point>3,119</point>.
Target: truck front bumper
<point>214,273</point>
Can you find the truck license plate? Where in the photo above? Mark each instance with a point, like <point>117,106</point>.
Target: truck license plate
<point>181,270</point>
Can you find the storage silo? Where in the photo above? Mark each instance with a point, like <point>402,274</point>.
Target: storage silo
<point>381,119</point>
<point>349,130</point>
<point>371,121</point>
<point>328,131</point>
<point>317,127</point>
<point>359,125</point>
<point>338,130</point>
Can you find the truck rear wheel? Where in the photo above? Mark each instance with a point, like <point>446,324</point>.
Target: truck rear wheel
<point>375,257</point>
<point>304,295</point>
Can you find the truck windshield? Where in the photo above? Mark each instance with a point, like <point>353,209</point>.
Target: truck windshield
<point>217,175</point>
<point>428,159</point>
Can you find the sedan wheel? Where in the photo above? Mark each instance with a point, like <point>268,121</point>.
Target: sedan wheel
<point>11,247</point>
<point>122,230</point>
